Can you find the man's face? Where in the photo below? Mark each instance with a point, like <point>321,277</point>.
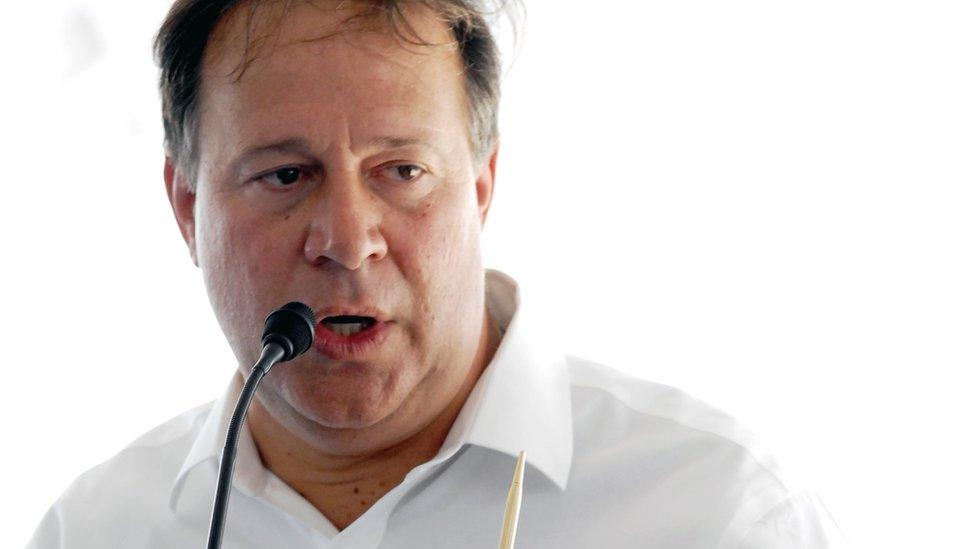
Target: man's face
<point>338,172</point>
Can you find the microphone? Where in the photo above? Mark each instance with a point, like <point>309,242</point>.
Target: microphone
<point>288,332</point>
<point>292,327</point>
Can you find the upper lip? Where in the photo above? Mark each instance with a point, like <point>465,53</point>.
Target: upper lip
<point>349,310</point>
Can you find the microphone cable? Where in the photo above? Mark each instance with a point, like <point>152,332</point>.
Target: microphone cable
<point>288,332</point>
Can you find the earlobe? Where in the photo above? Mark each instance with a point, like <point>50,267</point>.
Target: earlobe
<point>486,184</point>
<point>182,198</point>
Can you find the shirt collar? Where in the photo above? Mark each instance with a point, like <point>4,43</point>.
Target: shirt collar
<point>522,399</point>
<point>210,440</point>
<point>520,402</point>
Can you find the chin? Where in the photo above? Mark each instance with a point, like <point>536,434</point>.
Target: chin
<point>342,408</point>
<point>355,416</point>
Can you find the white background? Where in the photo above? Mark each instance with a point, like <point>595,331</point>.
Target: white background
<point>767,204</point>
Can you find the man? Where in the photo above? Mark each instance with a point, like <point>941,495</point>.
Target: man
<point>343,154</point>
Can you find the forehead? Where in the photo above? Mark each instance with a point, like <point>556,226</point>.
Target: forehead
<point>268,67</point>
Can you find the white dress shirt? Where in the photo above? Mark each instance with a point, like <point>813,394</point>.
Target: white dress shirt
<point>612,462</point>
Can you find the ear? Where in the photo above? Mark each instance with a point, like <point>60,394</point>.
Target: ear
<point>485,184</point>
<point>182,198</point>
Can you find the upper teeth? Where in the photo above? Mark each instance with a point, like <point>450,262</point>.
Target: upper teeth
<point>346,328</point>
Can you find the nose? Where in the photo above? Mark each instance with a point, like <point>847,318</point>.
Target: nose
<point>346,226</point>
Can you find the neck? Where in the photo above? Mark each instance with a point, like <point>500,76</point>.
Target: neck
<point>343,487</point>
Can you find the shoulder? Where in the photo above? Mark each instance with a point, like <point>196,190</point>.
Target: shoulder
<point>159,450</point>
<point>664,447</point>
<point>600,387</point>
<point>122,491</point>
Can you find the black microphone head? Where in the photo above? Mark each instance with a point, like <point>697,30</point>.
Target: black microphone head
<point>292,326</point>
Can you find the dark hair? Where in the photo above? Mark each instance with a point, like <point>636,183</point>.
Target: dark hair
<point>182,38</point>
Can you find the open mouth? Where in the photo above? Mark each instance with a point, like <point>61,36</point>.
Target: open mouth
<point>347,325</point>
<point>351,337</point>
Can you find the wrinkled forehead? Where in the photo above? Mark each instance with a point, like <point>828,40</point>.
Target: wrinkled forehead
<point>251,32</point>
<point>331,79</point>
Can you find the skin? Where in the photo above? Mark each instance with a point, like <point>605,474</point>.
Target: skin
<point>343,216</point>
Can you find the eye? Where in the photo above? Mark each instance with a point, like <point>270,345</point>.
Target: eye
<point>403,172</point>
<point>283,177</point>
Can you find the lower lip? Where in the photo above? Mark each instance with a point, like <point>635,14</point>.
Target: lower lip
<point>354,346</point>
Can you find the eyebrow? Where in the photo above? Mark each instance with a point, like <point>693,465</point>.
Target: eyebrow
<point>395,142</point>
<point>297,145</point>
<point>300,145</point>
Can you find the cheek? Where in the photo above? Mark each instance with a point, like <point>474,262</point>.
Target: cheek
<point>238,243</point>
<point>224,247</point>
<point>237,258</point>
<point>442,257</point>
